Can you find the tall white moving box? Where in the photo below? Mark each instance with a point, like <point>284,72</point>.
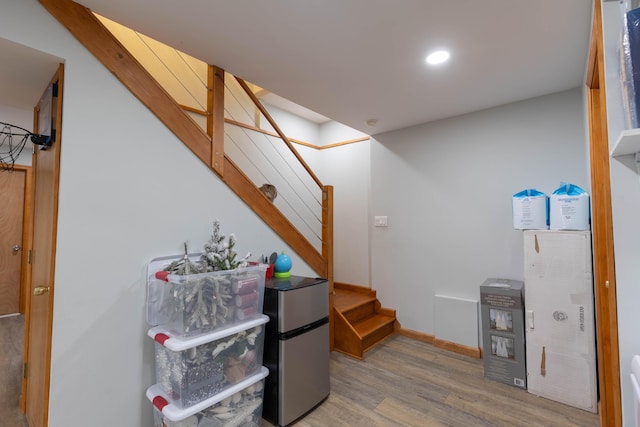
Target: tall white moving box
<point>559,317</point>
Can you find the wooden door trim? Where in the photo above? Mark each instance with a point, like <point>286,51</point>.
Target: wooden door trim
<point>27,244</point>
<point>58,79</point>
<point>27,230</point>
<point>610,406</point>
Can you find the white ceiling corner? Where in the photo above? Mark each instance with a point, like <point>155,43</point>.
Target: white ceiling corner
<point>356,60</point>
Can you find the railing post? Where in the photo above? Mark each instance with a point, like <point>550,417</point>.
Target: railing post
<point>327,251</point>
<point>215,116</point>
<point>327,229</point>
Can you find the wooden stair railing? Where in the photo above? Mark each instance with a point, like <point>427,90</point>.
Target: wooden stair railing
<point>253,197</point>
<point>275,126</point>
<point>209,149</point>
<point>360,322</point>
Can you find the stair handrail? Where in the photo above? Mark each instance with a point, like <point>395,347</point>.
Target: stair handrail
<point>208,146</point>
<point>275,126</point>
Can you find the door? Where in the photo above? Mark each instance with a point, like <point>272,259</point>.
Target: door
<point>303,372</point>
<point>46,165</point>
<point>12,187</point>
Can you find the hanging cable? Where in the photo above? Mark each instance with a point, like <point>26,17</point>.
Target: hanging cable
<point>13,140</point>
<point>142,38</point>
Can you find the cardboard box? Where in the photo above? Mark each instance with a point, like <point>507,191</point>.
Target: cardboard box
<point>560,317</point>
<point>569,208</point>
<point>502,313</point>
<point>530,210</point>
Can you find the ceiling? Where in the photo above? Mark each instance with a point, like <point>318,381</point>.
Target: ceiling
<point>24,74</point>
<point>359,60</point>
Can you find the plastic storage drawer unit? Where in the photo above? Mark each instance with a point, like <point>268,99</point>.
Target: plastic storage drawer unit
<point>239,405</point>
<point>200,303</point>
<point>191,370</point>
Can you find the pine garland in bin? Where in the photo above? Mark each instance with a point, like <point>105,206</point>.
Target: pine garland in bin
<point>184,266</point>
<point>220,255</point>
<point>199,302</point>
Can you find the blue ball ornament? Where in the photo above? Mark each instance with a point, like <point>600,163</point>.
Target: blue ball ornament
<point>282,266</point>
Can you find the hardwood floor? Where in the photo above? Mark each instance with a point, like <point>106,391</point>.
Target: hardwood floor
<point>405,382</point>
<point>11,340</point>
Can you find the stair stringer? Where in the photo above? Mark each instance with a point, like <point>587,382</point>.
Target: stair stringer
<point>346,338</point>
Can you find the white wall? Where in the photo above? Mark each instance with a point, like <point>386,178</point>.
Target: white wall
<point>24,119</point>
<point>294,126</point>
<point>446,188</point>
<point>625,205</point>
<point>346,168</point>
<point>129,192</point>
<point>126,197</point>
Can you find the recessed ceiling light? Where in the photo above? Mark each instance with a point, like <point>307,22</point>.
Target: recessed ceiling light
<point>437,57</point>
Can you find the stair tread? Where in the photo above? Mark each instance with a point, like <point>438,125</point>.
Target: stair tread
<point>346,300</point>
<point>372,323</point>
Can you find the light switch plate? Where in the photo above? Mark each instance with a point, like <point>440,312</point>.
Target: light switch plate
<point>530,323</point>
<point>380,221</point>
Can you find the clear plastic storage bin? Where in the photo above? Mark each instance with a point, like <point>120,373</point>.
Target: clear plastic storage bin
<point>201,303</point>
<point>189,371</point>
<point>239,405</point>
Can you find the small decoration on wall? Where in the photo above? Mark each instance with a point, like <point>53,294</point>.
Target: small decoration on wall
<point>270,191</point>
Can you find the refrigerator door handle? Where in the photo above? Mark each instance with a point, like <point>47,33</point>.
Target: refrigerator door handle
<point>303,329</point>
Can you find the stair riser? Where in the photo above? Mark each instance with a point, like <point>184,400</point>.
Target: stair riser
<point>360,312</point>
<point>375,337</point>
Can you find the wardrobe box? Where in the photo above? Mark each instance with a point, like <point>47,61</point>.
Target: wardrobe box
<point>560,317</point>
<point>503,341</point>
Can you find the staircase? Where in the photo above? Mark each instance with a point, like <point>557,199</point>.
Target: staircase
<point>360,320</point>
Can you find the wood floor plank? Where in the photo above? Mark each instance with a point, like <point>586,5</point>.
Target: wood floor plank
<point>12,342</point>
<point>406,382</point>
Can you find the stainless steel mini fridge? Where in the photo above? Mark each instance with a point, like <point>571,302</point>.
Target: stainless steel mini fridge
<point>296,348</point>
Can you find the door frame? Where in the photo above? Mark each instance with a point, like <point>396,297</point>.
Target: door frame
<point>610,405</point>
<point>44,390</point>
<point>27,219</point>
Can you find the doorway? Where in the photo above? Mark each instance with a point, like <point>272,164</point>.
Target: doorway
<point>13,222</point>
<point>30,212</point>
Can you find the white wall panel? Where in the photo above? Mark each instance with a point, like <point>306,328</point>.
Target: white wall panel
<point>446,188</point>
